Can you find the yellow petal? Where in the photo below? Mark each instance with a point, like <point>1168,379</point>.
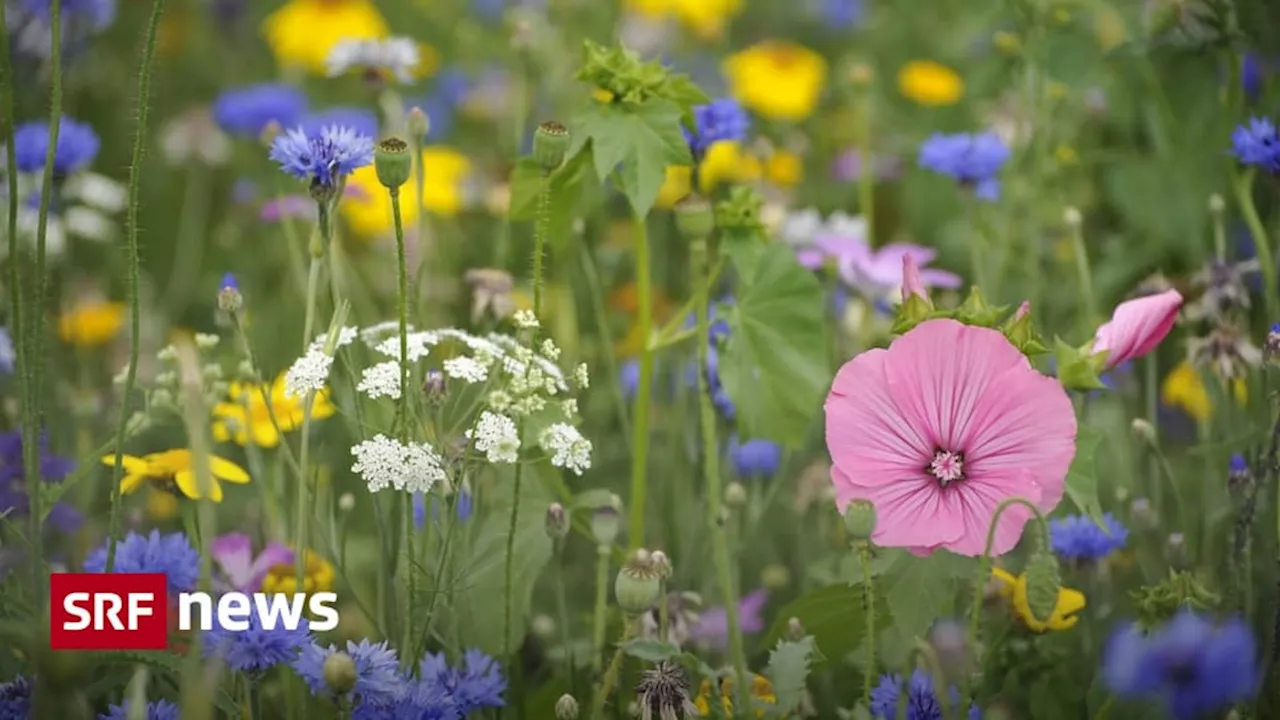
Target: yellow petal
<point>131,483</point>
<point>265,435</point>
<point>187,483</point>
<point>227,470</point>
<point>130,463</point>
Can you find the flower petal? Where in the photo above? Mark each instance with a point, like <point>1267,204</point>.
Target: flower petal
<point>1137,326</point>
<point>227,470</point>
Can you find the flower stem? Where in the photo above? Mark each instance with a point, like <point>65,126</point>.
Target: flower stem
<point>1243,186</point>
<point>131,250</point>
<point>711,468</point>
<point>602,601</point>
<point>11,164</point>
<point>869,611</point>
<point>403,406</point>
<point>866,169</point>
<point>562,610</point>
<point>1084,277</point>
<point>319,247</point>
<point>542,228</point>
<point>509,570</point>
<point>640,430</point>
<point>611,675</point>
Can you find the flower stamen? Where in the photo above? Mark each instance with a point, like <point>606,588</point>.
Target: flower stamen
<point>947,467</point>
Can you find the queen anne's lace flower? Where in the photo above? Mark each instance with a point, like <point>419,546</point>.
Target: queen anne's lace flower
<point>396,56</point>
<point>466,368</point>
<point>308,373</point>
<point>497,437</point>
<point>568,447</point>
<point>526,319</point>
<point>381,380</point>
<point>382,461</point>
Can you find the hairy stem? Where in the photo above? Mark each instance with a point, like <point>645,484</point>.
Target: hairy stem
<point>601,606</point>
<point>509,570</point>
<point>640,430</point>
<point>869,611</point>
<point>318,250</point>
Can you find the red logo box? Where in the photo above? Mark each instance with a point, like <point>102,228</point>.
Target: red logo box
<point>118,611</point>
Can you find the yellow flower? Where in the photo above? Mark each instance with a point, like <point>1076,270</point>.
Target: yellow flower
<point>161,505</point>
<point>174,470</point>
<point>706,18</point>
<point>283,578</point>
<point>1184,389</point>
<point>302,33</point>
<point>929,83</point>
<point>245,415</point>
<point>678,183</point>
<point>91,325</point>
<point>784,168</point>
<point>761,689</point>
<point>369,210</point>
<point>725,161</point>
<point>1014,588</point>
<point>779,80</point>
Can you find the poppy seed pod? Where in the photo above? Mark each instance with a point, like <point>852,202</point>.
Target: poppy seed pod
<point>695,218</point>
<point>638,585</point>
<point>393,163</point>
<point>550,143</point>
<point>339,672</point>
<point>860,519</point>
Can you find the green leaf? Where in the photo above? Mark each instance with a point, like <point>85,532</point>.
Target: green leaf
<point>592,499</point>
<point>920,589</point>
<point>1082,477</point>
<point>833,616</point>
<point>644,139</point>
<point>568,188</point>
<point>789,673</point>
<point>775,365</point>
<point>650,650</point>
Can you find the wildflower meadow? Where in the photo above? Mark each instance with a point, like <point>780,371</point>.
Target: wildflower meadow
<point>658,359</point>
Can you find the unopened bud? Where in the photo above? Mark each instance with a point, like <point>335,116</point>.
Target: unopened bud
<point>1175,551</point>
<point>434,385</point>
<point>543,626</point>
<point>1143,430</point>
<point>695,218</point>
<point>661,564</point>
<point>638,584</point>
<point>550,143</point>
<point>1216,204</point>
<point>860,519</point>
<point>339,672</point>
<point>1044,581</point>
<point>735,495</point>
<point>566,708</point>
<point>1271,348</point>
<point>393,163</point>
<point>418,122</point>
<point>775,577</point>
<point>605,524</point>
<point>861,74</point>
<point>347,502</point>
<point>1144,516</point>
<point>795,630</point>
<point>557,521</point>
<point>1072,217</point>
<point>229,297</point>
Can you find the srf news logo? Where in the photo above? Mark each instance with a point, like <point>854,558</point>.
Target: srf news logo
<point>131,611</point>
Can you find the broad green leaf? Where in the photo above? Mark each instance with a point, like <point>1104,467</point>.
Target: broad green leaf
<point>567,189</point>
<point>1082,478</point>
<point>775,365</point>
<point>789,674</point>
<point>921,589</point>
<point>833,616</point>
<point>650,650</point>
<point>644,139</point>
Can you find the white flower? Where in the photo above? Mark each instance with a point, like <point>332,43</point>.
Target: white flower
<point>802,228</point>
<point>382,461</point>
<point>549,350</point>
<point>497,437</point>
<point>206,341</point>
<point>568,448</point>
<point>381,380</point>
<point>569,408</point>
<point>526,319</point>
<point>581,377</point>
<point>346,336</point>
<point>465,368</point>
<point>398,56</point>
<point>418,345</point>
<point>308,374</point>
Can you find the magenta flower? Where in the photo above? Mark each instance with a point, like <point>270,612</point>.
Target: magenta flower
<point>876,273</point>
<point>1137,326</point>
<point>912,282</point>
<point>241,571</point>
<point>712,630</point>
<point>939,429</point>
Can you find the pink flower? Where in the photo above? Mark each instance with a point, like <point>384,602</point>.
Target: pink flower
<point>912,284</point>
<point>712,630</point>
<point>939,429</point>
<point>1137,327</point>
<point>241,570</point>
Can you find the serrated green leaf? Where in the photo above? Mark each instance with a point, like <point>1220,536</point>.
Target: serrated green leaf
<point>833,616</point>
<point>1082,477</point>
<point>650,650</point>
<point>644,139</point>
<point>567,187</point>
<point>789,673</point>
<point>919,589</point>
<point>775,365</point>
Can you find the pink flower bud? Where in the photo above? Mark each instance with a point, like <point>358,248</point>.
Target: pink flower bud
<point>1023,310</point>
<point>1137,327</point>
<point>912,284</point>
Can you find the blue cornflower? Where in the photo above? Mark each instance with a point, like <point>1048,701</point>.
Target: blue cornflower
<point>158,710</point>
<point>462,508</point>
<point>15,699</point>
<point>256,650</point>
<point>972,159</point>
<point>62,517</point>
<point>248,110</point>
<point>629,378</point>
<point>719,397</point>
<point>841,14</point>
<point>154,553</point>
<point>358,119</point>
<point>423,700</point>
<point>922,701</point>
<point>1251,76</point>
<point>1257,144</point>
<point>1238,465</point>
<point>378,679</point>
<point>718,121</point>
<point>229,282</point>
<point>77,146</point>
<point>478,684</point>
<point>322,159</point>
<point>1271,348</point>
<point>1078,537</point>
<point>1192,665</point>
<point>755,458</point>
<point>101,12</point>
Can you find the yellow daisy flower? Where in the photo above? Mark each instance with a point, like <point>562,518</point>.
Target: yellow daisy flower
<point>931,84</point>
<point>725,161</point>
<point>706,18</point>
<point>1184,389</point>
<point>784,168</point>
<point>1014,589</point>
<point>283,578</point>
<point>777,79</point>
<point>302,33</point>
<point>245,415</point>
<point>761,689</point>
<point>369,211</point>
<point>174,470</point>
<point>92,324</point>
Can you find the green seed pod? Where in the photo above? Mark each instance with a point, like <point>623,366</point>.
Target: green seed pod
<point>860,519</point>
<point>695,218</point>
<point>550,143</point>
<point>1043,585</point>
<point>419,123</point>
<point>339,672</point>
<point>605,524</point>
<point>393,163</point>
<point>638,585</point>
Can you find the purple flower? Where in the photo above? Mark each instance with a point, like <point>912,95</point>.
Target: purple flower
<point>712,630</point>
<point>246,111</point>
<point>848,165</point>
<point>76,147</point>
<point>324,159</point>
<point>14,502</point>
<point>1257,144</point>
<point>876,273</point>
<point>362,121</point>
<point>721,120</point>
<point>973,160</point>
<point>241,570</point>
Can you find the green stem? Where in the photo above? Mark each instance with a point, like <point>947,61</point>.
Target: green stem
<point>602,602</point>
<point>867,173</point>
<point>542,228</point>
<point>640,430</point>
<point>562,610</point>
<point>452,520</point>
<point>711,468</point>
<point>596,290</point>
<point>611,675</point>
<point>403,274</point>
<point>1243,186</point>
<point>869,610</point>
<point>318,249</point>
<point>255,701</point>
<point>664,613</point>
<point>11,164</point>
<point>131,250</point>
<point>1084,277</point>
<point>509,571</point>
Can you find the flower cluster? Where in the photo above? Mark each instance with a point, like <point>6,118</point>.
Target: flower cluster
<point>382,461</point>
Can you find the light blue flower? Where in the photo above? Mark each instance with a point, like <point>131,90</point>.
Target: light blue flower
<point>158,710</point>
<point>246,111</point>
<point>77,146</point>
<point>256,650</point>
<point>170,554</point>
<point>1078,537</point>
<point>973,160</point>
<point>378,679</point>
<point>325,159</point>
<point>1257,144</point>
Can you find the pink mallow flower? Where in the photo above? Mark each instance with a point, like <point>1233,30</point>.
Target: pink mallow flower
<point>1137,326</point>
<point>939,429</point>
<point>877,273</point>
<point>241,571</point>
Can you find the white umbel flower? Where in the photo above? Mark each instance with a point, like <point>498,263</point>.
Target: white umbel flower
<point>383,462</point>
<point>398,56</point>
<point>568,448</point>
<point>526,319</point>
<point>308,374</point>
<point>381,380</point>
<point>418,345</point>
<point>465,368</point>
<point>497,437</point>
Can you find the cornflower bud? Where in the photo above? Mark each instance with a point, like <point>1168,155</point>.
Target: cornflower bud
<point>229,298</point>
